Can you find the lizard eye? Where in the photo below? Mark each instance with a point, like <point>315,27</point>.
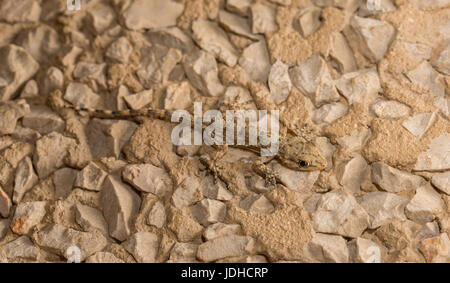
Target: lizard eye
<point>303,163</point>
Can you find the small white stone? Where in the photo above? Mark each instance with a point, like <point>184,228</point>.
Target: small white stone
<point>425,205</point>
<point>437,157</point>
<point>383,208</point>
<point>364,251</point>
<point>329,113</point>
<point>24,180</point>
<point>147,178</point>
<point>209,211</point>
<point>146,14</point>
<point>341,54</point>
<point>256,62</point>
<point>361,86</point>
<point>240,7</point>
<point>223,247</point>
<point>120,50</point>
<point>374,7</point>
<point>351,174</point>
<point>356,140</point>
<point>263,18</point>
<point>185,194</point>
<point>218,230</point>
<point>390,109</point>
<point>139,100</point>
<point>81,95</point>
<point>329,248</point>
<point>393,180</point>
<point>419,124</point>
<point>157,215</point>
<point>178,96</point>
<point>257,204</point>
<point>279,82</point>
<point>442,181</point>
<point>143,246</point>
<point>309,21</point>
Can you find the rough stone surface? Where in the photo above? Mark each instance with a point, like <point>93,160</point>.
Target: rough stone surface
<point>152,14</point>
<point>103,257</point>
<point>147,178</point>
<point>419,124</point>
<point>383,208</point>
<point>43,120</point>
<point>209,211</point>
<point>24,11</point>
<point>227,246</point>
<point>437,157</point>
<point>436,249</point>
<point>425,205</point>
<point>91,177</point>
<point>393,180</point>
<point>5,204</point>
<point>27,215</point>
<point>329,248</point>
<point>256,62</point>
<point>263,18</point>
<point>63,180</point>
<point>90,219</point>
<point>360,86</point>
<point>11,112</point>
<point>279,82</point>
<point>21,247</point>
<point>364,251</point>
<point>143,246</point>
<point>157,215</point>
<point>351,174</point>
<point>259,204</point>
<point>390,109</point>
<point>442,181</point>
<point>24,180</point>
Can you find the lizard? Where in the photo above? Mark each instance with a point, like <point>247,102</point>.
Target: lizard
<point>294,151</point>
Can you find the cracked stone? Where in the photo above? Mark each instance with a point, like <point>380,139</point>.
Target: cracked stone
<point>257,204</point>
<point>178,96</point>
<point>211,38</point>
<point>442,182</point>
<point>43,120</point>
<point>120,205</point>
<point>17,67</point>
<point>263,18</point>
<point>60,238</point>
<point>147,178</point>
<point>202,71</point>
<point>11,112</point>
<point>393,180</point>
<point>51,150</point>
<point>120,50</point>
<point>329,248</point>
<point>143,246</point>
<point>279,82</point>
<point>157,215</point>
<point>24,180</point>
<point>21,247</point>
<point>383,208</point>
<point>364,251</point>
<point>223,247</point>
<point>256,62</point>
<point>147,14</point>
<point>314,80</point>
<point>425,205</point>
<point>373,36</point>
<point>27,215</point>
<point>419,124</point>
<point>437,157</point>
<point>339,213</point>
<point>209,211</point>
<point>63,180</point>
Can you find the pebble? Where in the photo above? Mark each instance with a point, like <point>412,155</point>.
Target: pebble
<point>183,253</point>
<point>103,257</point>
<point>437,157</point>
<point>341,54</point>
<point>11,112</point>
<point>186,193</point>
<point>442,63</point>
<point>309,21</point>
<point>295,180</point>
<point>328,248</point>
<point>329,113</point>
<point>383,208</point>
<point>436,249</point>
<point>120,205</point>
<point>147,178</point>
<point>42,42</point>
<point>171,37</point>
<point>143,246</point>
<point>364,251</point>
<point>63,180</point>
<point>211,38</point>
<point>227,246</point>
<point>279,82</point>
<point>25,179</point>
<point>21,247</point>
<point>240,7</point>
<point>215,189</point>
<point>218,230</point>
<point>139,100</point>
<point>90,219</point>
<point>425,205</point>
<point>90,178</point>
<point>361,86</point>
<point>43,120</point>
<point>178,96</point>
<point>393,180</point>
<point>4,228</point>
<point>148,14</point>
<point>202,71</point>
<point>236,24</point>
<point>30,90</point>
<point>17,66</point>
<point>120,50</point>
<point>390,109</point>
<point>255,61</point>
<point>352,173</point>
<point>12,11</point>
<point>54,79</point>
<point>356,140</point>
<point>89,73</point>
<point>82,96</point>
<point>263,18</point>
<point>442,182</point>
<point>209,211</point>
<point>27,215</point>
<point>157,215</point>
<point>101,17</point>
<point>419,124</point>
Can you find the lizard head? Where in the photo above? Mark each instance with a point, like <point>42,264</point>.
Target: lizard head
<point>300,155</point>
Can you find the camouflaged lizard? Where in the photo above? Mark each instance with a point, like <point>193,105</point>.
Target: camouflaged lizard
<point>294,152</point>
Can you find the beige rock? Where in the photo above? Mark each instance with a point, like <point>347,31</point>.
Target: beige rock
<point>63,180</point>
<point>436,249</point>
<point>143,246</point>
<point>431,4</point>
<point>139,100</point>
<point>157,62</point>
<point>4,228</point>
<point>178,96</point>
<point>240,7</point>
<point>107,137</point>
<point>157,215</point>
<point>30,90</point>
<point>437,157</point>
<point>50,153</point>
<point>383,208</point>
<point>103,257</point>
<point>120,205</point>
<point>328,248</point>
<point>5,204</point>
<point>218,230</point>
<point>209,211</point>
<point>364,251</point>
<point>183,253</point>
<point>90,219</point>
<point>21,247</point>
<point>373,36</point>
<point>101,17</point>
<point>3,258</point>
<point>348,5</point>
<point>314,80</point>
<point>23,11</point>
<point>90,72</point>
<point>43,120</point>
<point>81,95</point>
<point>442,182</point>
<point>227,246</point>
<point>361,86</point>
<point>341,54</point>
<point>185,194</point>
<point>393,180</point>
<point>11,112</point>
<point>27,215</point>
<point>295,180</point>
<point>308,21</point>
<point>256,62</point>
<point>279,82</point>
<point>211,38</point>
<point>120,50</point>
<point>91,177</point>
<point>425,205</point>
<point>390,109</point>
<point>236,24</point>
<point>17,67</point>
<point>184,227</point>
<point>215,190</point>
<point>442,63</point>
<point>54,79</point>
<point>257,204</point>
<point>352,173</point>
<point>42,42</point>
<point>146,14</point>
<point>374,7</point>
<point>171,37</point>
<point>356,140</point>
<point>147,178</point>
<point>263,18</point>
<point>201,70</point>
<point>62,240</point>
<point>24,180</point>
<point>339,213</point>
<point>419,124</point>
<point>329,113</point>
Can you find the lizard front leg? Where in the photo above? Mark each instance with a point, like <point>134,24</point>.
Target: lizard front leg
<point>260,167</point>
